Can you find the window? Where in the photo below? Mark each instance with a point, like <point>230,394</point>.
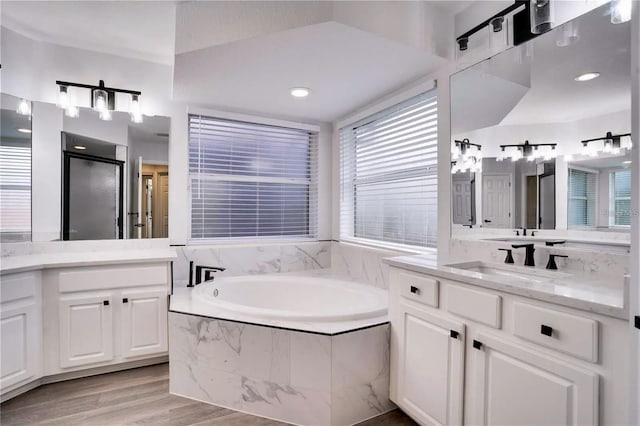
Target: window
<point>15,189</point>
<point>250,180</point>
<point>582,198</point>
<point>389,177</point>
<point>620,197</point>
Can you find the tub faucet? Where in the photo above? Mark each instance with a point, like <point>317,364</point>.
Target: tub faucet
<point>528,260</point>
<point>208,273</point>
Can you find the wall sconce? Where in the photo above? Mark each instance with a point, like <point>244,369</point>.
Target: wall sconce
<point>466,156</point>
<point>620,11</point>
<point>609,144</point>
<point>542,13</point>
<point>103,100</point>
<point>24,107</point>
<point>532,152</point>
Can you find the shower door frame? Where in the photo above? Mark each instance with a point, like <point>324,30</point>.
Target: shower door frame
<point>66,185</point>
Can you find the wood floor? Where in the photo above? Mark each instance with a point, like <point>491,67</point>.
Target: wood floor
<point>132,397</point>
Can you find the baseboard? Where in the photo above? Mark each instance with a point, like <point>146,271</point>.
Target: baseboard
<point>82,373</point>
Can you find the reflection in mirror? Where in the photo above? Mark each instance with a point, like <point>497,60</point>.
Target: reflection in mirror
<point>551,119</point>
<point>115,177</point>
<point>15,169</point>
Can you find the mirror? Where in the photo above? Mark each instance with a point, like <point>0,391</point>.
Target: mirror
<point>15,169</point>
<point>540,132</point>
<point>115,177</point>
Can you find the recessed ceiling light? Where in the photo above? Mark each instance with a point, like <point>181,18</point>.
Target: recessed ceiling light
<point>24,130</point>
<point>587,76</point>
<point>626,162</point>
<point>300,92</point>
<point>80,147</point>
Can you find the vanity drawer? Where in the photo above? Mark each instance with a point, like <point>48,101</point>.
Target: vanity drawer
<point>418,287</point>
<point>480,306</point>
<point>563,332</point>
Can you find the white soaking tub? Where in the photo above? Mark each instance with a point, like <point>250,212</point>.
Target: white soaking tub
<point>294,298</point>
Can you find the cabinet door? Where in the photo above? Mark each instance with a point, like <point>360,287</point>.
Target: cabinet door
<point>144,322</point>
<point>86,329</point>
<point>19,348</point>
<point>518,386</point>
<point>430,360</point>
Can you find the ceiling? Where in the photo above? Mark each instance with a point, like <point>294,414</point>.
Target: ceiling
<point>137,29</point>
<point>344,67</point>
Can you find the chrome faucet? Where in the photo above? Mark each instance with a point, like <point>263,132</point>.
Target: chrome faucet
<point>528,260</point>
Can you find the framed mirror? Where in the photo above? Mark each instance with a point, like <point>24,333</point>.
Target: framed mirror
<point>115,177</point>
<point>540,133</point>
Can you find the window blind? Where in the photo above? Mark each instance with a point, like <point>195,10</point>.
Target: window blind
<point>388,177</point>
<point>251,180</point>
<point>621,197</point>
<point>582,198</point>
<point>15,191</point>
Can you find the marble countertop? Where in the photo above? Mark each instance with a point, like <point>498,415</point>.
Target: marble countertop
<point>594,293</point>
<point>183,301</point>
<point>32,262</point>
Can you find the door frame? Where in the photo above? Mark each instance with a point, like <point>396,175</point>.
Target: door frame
<point>68,155</point>
<point>540,199</point>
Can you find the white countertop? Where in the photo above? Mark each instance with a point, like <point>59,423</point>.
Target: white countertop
<point>593,293</point>
<point>31,262</point>
<point>182,301</point>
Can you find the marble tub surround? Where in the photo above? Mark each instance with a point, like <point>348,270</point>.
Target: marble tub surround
<point>587,291</point>
<point>183,300</point>
<point>252,259</point>
<point>296,377</point>
<point>363,263</point>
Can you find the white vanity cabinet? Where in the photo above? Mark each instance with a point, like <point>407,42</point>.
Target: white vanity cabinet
<point>513,360</point>
<point>20,329</point>
<point>105,315</point>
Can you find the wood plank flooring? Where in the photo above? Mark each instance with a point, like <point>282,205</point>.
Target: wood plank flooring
<point>133,397</point>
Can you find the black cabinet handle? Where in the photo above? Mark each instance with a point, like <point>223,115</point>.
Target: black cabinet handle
<point>414,289</point>
<point>454,334</point>
<point>546,330</point>
<point>105,302</point>
<point>125,300</point>
<point>477,344</point>
<point>636,321</point>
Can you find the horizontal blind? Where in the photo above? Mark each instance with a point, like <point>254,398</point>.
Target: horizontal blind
<point>582,198</point>
<point>15,191</point>
<point>251,180</point>
<point>622,197</point>
<point>388,164</point>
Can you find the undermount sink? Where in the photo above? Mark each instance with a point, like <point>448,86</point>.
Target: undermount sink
<point>512,272</point>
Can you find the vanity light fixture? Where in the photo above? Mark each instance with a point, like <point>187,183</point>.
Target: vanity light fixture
<point>466,156</point>
<point>587,76</point>
<point>300,92</point>
<point>24,107</point>
<point>620,11</point>
<point>102,100</point>
<point>609,144</point>
<point>532,152</point>
<point>22,130</point>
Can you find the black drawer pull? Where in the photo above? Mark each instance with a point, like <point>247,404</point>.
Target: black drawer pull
<point>454,334</point>
<point>414,289</point>
<point>125,300</point>
<point>546,330</point>
<point>105,302</point>
<point>477,344</point>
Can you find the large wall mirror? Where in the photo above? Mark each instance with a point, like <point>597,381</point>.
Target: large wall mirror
<point>15,169</point>
<point>115,177</point>
<point>540,132</point>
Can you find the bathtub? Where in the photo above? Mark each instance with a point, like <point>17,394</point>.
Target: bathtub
<point>294,298</point>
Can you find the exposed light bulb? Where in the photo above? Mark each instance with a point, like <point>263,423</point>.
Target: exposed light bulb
<point>24,107</point>
<point>63,97</point>
<point>100,100</point>
<point>620,11</point>
<point>105,115</point>
<point>135,111</point>
<point>72,111</point>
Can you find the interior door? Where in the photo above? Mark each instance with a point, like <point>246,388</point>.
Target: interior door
<point>496,201</point>
<point>462,214</point>
<point>547,202</point>
<point>163,211</point>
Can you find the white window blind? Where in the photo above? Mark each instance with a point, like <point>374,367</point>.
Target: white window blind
<point>582,198</point>
<point>621,197</point>
<point>15,191</point>
<point>388,178</point>
<point>251,180</point>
